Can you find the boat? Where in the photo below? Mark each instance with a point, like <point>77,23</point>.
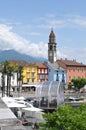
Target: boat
<point>76,99</point>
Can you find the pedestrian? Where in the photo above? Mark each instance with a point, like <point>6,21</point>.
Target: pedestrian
<point>19,113</point>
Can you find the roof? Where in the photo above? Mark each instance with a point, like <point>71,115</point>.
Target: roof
<point>71,62</point>
<point>52,34</point>
<point>24,63</point>
<point>55,66</point>
<point>40,65</point>
<point>32,64</point>
<point>19,62</point>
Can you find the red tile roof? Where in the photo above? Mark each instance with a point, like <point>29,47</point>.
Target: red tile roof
<point>24,63</point>
<point>40,65</point>
<point>70,62</point>
<point>19,62</point>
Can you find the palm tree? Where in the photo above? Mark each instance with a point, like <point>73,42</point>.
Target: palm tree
<point>7,70</point>
<point>19,76</point>
<point>10,70</point>
<point>4,71</point>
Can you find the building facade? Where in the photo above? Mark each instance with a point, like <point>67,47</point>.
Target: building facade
<point>73,69</point>
<point>42,72</point>
<point>30,73</point>
<point>55,72</point>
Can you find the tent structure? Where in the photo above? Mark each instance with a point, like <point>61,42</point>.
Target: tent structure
<point>49,94</point>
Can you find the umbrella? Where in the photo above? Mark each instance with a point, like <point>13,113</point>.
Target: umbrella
<point>30,111</point>
<point>11,103</point>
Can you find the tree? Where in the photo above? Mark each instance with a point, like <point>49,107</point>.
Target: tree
<point>19,76</point>
<point>6,70</point>
<point>65,118</point>
<point>10,70</point>
<point>79,82</point>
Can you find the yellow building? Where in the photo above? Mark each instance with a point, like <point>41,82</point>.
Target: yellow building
<point>30,73</point>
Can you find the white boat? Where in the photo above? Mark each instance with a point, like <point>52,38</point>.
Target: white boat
<point>75,99</point>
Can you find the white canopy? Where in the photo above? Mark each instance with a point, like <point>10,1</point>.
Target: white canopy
<point>10,102</point>
<point>32,109</point>
<point>14,104</point>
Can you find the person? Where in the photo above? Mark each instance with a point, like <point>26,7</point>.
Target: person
<point>19,114</point>
<point>23,115</point>
<point>35,126</point>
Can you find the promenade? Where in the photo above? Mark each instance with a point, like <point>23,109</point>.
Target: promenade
<point>24,94</point>
<point>66,96</point>
<point>33,94</point>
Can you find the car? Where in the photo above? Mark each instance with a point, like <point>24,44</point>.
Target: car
<point>29,100</point>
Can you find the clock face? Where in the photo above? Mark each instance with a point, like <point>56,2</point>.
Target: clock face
<point>50,53</point>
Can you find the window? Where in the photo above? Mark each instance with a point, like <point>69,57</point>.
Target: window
<point>32,69</point>
<point>78,76</point>
<point>42,71</point>
<point>12,82</point>
<point>32,75</point>
<point>69,70</point>
<point>50,47</point>
<point>78,70</point>
<point>69,77</point>
<point>38,70</point>
<point>54,47</point>
<point>28,69</point>
<point>28,80</point>
<point>45,71</point>
<point>13,76</point>
<point>32,80</point>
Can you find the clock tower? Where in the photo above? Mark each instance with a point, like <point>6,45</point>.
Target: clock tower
<point>52,48</point>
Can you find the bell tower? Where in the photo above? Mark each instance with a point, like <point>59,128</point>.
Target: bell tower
<point>52,48</point>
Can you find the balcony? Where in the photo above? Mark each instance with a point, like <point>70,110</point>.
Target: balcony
<point>28,70</point>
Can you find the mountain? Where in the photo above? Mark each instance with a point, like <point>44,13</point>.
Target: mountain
<point>14,55</point>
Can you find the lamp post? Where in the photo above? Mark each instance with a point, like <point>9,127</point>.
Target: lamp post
<point>57,77</point>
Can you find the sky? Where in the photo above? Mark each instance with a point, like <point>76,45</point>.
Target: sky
<point>25,26</point>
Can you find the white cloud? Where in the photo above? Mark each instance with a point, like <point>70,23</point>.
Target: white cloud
<point>61,22</point>
<point>72,53</point>
<point>34,33</point>
<point>11,40</point>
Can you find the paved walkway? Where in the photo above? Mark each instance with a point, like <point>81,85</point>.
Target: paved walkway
<point>24,94</point>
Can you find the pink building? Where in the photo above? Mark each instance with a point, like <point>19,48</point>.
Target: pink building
<point>42,72</point>
<point>73,69</point>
